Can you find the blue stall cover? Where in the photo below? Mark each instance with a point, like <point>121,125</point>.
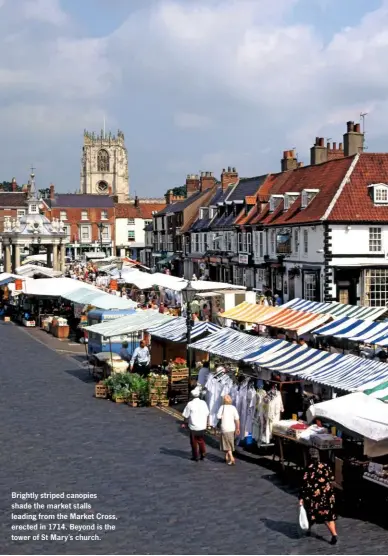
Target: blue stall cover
<point>336,309</point>
<point>356,330</point>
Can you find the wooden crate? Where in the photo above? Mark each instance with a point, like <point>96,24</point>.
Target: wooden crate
<point>133,403</point>
<point>160,390</point>
<point>160,401</point>
<point>101,391</point>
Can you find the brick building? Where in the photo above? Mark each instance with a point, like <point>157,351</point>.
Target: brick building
<point>89,221</point>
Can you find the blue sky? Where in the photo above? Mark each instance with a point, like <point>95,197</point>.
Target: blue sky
<point>196,85</point>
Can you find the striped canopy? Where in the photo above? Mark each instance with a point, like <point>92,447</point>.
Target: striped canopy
<point>357,330</point>
<point>300,322</point>
<point>235,345</point>
<point>249,312</point>
<point>175,330</point>
<point>345,372</point>
<point>377,390</point>
<point>336,309</point>
<point>278,317</point>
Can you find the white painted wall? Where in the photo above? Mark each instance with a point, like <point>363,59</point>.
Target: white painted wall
<point>122,228</point>
<point>354,240</point>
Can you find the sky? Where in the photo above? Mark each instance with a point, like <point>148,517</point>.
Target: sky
<point>195,85</point>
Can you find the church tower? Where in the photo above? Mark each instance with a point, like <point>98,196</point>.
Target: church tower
<point>104,165</point>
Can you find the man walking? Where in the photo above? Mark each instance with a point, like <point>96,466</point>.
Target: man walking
<point>196,415</point>
<point>140,362</point>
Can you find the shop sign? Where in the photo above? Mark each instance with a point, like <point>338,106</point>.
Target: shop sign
<point>243,259</point>
<point>215,260</point>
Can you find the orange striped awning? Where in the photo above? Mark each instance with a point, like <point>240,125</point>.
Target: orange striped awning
<point>249,312</point>
<point>298,321</point>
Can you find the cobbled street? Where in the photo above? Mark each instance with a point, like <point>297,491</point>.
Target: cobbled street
<point>55,437</point>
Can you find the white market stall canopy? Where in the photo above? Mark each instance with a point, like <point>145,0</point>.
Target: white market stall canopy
<point>145,281</point>
<point>176,330</point>
<point>140,320</point>
<point>32,270</point>
<point>236,345</point>
<point>356,412</point>
<point>357,330</point>
<point>336,309</point>
<point>75,291</point>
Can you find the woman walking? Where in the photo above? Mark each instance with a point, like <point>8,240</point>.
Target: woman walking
<point>230,426</point>
<point>317,495</point>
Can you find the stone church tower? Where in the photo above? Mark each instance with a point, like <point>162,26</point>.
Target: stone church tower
<point>104,166</point>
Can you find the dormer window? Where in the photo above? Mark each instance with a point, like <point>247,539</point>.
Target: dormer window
<point>203,213</point>
<point>308,195</point>
<point>274,202</point>
<point>289,199</point>
<point>33,209</point>
<point>380,193</point>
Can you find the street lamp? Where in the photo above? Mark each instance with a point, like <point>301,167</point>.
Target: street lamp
<point>188,295</point>
<point>101,226</point>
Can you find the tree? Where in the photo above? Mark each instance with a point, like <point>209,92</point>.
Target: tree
<point>178,191</point>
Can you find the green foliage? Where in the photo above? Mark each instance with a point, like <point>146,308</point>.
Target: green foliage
<point>181,190</point>
<point>123,385</point>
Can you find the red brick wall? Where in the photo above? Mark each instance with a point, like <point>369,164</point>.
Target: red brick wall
<point>94,218</point>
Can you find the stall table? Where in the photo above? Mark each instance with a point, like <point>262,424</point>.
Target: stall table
<point>282,441</point>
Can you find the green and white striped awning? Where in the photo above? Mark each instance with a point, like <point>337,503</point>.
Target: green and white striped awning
<point>379,391</point>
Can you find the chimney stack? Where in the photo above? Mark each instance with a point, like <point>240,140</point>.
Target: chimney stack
<point>289,161</point>
<point>318,152</point>
<point>192,184</point>
<point>136,203</point>
<point>14,185</point>
<point>52,192</point>
<point>353,139</point>
<point>228,177</point>
<point>207,181</point>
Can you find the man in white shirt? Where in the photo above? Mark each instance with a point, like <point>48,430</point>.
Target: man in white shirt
<point>196,414</point>
<point>140,361</point>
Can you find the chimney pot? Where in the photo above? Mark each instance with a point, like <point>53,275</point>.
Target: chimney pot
<point>52,191</point>
<point>357,128</point>
<point>341,147</point>
<point>317,141</point>
<point>188,176</point>
<point>293,153</point>
<point>229,168</point>
<point>234,169</point>
<point>202,174</point>
<point>334,146</point>
<point>321,141</point>
<point>300,164</point>
<point>328,146</point>
<point>285,154</point>
<point>350,126</point>
<point>223,170</point>
<point>136,201</point>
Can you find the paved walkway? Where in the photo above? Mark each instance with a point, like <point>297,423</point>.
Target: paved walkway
<point>56,437</point>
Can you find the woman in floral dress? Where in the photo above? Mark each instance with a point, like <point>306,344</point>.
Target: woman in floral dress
<point>317,494</point>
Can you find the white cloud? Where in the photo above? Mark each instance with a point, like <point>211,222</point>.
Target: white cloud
<point>46,11</point>
<point>188,120</point>
<point>243,71</point>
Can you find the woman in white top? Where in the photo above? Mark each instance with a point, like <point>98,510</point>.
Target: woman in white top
<point>230,427</point>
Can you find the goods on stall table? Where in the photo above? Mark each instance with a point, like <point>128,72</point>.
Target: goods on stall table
<point>157,389</point>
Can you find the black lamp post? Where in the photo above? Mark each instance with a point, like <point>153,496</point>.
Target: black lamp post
<point>188,296</point>
<point>100,226</point>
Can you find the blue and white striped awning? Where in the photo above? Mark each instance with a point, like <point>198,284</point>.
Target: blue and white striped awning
<point>357,330</point>
<point>336,309</point>
<point>176,330</point>
<point>236,345</point>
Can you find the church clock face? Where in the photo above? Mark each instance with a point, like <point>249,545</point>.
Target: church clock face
<point>102,187</point>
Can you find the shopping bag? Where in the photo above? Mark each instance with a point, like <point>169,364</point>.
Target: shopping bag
<point>303,521</point>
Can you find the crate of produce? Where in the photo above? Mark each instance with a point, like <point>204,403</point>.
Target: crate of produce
<point>133,400</point>
<point>101,391</point>
<point>159,401</point>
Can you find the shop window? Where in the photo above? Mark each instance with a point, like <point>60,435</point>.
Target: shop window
<point>375,240</point>
<point>310,287</point>
<point>376,287</point>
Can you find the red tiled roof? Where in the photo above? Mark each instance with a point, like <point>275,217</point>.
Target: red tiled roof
<point>326,177</point>
<point>246,218</point>
<point>144,210</point>
<point>12,199</point>
<point>355,202</point>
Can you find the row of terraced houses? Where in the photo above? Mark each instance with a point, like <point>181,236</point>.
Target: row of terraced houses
<point>319,232</point>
